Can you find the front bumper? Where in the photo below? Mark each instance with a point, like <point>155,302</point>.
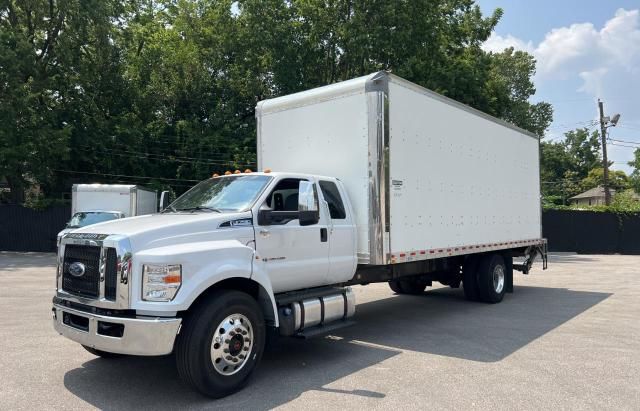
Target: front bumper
<point>134,336</point>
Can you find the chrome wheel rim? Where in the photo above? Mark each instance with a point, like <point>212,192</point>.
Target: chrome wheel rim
<point>231,345</point>
<point>498,279</point>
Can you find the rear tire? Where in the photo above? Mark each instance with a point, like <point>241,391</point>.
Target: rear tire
<point>395,286</point>
<point>102,354</point>
<point>407,287</point>
<point>492,278</point>
<point>221,343</point>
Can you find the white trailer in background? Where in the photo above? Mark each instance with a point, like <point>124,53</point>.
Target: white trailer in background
<point>130,200</point>
<point>97,203</point>
<point>375,180</point>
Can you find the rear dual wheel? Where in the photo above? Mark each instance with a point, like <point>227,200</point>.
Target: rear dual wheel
<point>484,278</point>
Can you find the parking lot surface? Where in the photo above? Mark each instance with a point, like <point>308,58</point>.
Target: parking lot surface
<point>568,338</point>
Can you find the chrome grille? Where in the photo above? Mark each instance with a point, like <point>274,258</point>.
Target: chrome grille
<point>111,274</point>
<point>87,284</point>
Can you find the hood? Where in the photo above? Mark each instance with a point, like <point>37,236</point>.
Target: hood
<point>156,230</point>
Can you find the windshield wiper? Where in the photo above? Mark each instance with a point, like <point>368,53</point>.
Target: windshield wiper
<point>199,208</point>
<point>169,207</point>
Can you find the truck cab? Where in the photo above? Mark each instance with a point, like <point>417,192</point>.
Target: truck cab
<point>132,286</point>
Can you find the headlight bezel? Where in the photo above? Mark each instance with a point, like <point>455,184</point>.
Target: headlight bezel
<point>161,282</point>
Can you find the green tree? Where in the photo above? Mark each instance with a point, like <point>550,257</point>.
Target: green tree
<point>584,149</point>
<point>51,55</point>
<point>635,174</point>
<point>163,92</point>
<point>618,180</point>
<point>510,87</point>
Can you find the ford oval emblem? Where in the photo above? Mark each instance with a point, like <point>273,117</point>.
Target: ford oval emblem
<point>77,269</point>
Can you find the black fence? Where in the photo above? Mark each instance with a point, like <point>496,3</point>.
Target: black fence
<point>24,229</point>
<point>586,232</point>
<point>591,232</point>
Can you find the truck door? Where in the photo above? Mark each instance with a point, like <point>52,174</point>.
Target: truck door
<point>295,256</point>
<point>342,234</point>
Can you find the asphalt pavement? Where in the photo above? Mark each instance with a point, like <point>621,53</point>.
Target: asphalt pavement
<point>567,338</point>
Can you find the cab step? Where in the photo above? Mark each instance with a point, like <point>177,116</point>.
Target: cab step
<point>321,330</point>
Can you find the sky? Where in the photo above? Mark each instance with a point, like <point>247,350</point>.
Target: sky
<point>585,50</point>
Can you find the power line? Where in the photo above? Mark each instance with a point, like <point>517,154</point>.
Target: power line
<point>152,156</point>
<point>186,147</point>
<point>125,176</point>
<point>623,141</point>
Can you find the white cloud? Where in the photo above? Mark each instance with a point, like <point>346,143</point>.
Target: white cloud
<point>497,43</point>
<point>581,48</point>
<point>593,62</point>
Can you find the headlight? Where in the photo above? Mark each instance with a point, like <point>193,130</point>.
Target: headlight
<point>160,282</point>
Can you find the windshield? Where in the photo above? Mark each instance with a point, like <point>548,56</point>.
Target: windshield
<point>234,193</point>
<point>87,218</point>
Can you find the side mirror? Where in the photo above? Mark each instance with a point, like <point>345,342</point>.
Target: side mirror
<point>164,200</point>
<point>307,204</point>
<point>264,217</point>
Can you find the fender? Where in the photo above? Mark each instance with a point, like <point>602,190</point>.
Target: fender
<point>203,265</point>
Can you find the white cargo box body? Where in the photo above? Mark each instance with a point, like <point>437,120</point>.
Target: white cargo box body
<point>131,200</point>
<point>428,177</point>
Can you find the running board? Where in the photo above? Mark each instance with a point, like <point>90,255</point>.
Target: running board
<point>323,329</point>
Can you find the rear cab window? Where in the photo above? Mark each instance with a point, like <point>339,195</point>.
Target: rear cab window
<point>334,200</point>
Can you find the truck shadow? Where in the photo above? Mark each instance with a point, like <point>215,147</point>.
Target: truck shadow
<point>436,324</point>
<point>440,322</point>
<point>288,369</point>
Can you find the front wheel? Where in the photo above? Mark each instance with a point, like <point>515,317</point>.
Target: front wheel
<point>221,343</point>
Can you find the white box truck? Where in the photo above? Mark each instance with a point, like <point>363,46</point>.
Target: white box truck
<point>97,203</point>
<point>129,200</point>
<point>375,180</point>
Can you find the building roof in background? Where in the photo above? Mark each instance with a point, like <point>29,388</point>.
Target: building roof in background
<point>593,193</point>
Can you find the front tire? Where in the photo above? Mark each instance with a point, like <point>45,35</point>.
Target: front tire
<point>221,343</point>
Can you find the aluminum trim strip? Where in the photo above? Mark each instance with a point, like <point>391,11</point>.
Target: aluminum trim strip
<point>377,211</point>
<point>428,254</point>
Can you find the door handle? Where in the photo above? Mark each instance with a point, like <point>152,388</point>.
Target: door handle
<point>323,235</point>
<point>265,233</point>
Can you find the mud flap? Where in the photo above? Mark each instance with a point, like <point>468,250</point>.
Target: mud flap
<point>508,280</point>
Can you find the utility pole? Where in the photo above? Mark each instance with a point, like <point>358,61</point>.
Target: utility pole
<point>605,162</point>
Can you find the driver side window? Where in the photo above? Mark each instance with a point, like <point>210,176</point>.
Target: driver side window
<point>284,200</point>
